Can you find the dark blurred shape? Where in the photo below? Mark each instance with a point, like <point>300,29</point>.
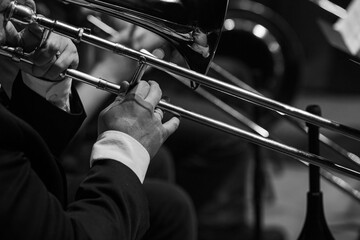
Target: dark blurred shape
<point>327,69</point>
<point>258,39</point>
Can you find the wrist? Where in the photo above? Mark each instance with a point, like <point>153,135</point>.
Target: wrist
<point>123,148</point>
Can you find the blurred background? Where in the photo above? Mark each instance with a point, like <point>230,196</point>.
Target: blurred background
<point>328,79</point>
<point>241,191</point>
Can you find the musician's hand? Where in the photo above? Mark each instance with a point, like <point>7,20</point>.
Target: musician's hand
<point>55,56</point>
<point>19,35</point>
<point>3,5</point>
<point>51,53</point>
<point>137,116</point>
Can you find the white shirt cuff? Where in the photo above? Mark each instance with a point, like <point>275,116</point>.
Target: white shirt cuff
<point>121,147</point>
<point>58,93</point>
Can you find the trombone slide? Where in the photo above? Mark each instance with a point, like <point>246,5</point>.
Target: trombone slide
<point>82,35</point>
<point>181,112</point>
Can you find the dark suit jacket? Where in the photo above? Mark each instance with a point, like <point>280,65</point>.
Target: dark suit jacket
<point>110,203</point>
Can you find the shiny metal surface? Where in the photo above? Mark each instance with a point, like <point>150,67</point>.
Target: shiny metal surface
<point>193,27</point>
<point>181,112</point>
<point>80,34</point>
<point>269,49</point>
<point>351,160</point>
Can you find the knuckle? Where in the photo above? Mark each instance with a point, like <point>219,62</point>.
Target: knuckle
<point>143,83</point>
<point>156,86</point>
<point>153,83</point>
<point>52,47</point>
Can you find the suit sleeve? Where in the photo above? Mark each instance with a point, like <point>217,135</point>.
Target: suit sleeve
<point>110,204</point>
<point>56,126</point>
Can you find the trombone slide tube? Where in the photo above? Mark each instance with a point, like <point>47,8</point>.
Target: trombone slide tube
<point>254,138</point>
<point>93,81</point>
<point>351,157</point>
<point>20,13</point>
<point>81,34</point>
<point>181,112</point>
<point>331,178</point>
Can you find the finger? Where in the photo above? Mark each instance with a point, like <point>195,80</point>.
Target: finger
<point>141,89</point>
<point>46,54</point>
<point>154,94</point>
<point>11,34</point>
<point>57,66</point>
<point>69,54</point>
<point>66,58</point>
<point>158,113</point>
<point>31,37</point>
<point>35,30</point>
<point>171,126</point>
<point>3,5</point>
<point>41,70</point>
<point>29,3</point>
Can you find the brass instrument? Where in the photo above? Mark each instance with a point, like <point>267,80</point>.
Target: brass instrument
<point>184,34</point>
<point>81,35</point>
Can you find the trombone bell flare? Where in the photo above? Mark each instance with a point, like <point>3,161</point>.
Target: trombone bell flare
<point>81,35</point>
<point>193,27</point>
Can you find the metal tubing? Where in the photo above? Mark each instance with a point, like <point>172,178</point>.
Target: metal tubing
<point>181,112</point>
<point>80,34</point>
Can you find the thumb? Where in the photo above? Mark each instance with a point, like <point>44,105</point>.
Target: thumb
<point>171,126</point>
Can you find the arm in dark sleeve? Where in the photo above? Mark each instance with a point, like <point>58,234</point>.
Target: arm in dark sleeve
<point>56,126</point>
<point>110,204</point>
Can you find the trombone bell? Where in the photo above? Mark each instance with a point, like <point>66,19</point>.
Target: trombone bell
<point>193,27</point>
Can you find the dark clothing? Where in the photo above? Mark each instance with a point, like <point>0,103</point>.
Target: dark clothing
<point>110,203</point>
<point>172,214</point>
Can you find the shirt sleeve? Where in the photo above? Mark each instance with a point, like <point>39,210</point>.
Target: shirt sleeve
<point>121,147</point>
<point>58,93</point>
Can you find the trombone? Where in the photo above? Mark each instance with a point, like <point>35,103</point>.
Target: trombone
<point>78,34</point>
<point>188,41</point>
<point>181,112</point>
